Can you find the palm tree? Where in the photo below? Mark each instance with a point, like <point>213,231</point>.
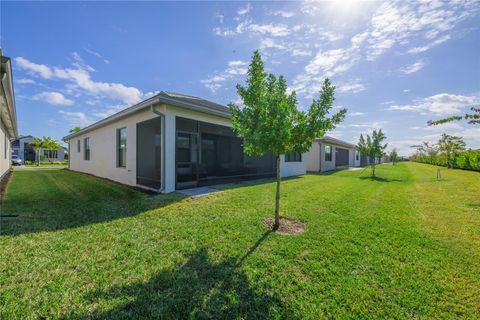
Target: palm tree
<point>50,144</point>
<point>36,146</point>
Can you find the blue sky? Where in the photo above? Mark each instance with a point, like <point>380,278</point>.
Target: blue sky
<point>396,65</point>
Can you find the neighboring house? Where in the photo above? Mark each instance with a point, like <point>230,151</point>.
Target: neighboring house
<point>22,147</point>
<point>328,154</point>
<point>8,117</point>
<point>171,141</point>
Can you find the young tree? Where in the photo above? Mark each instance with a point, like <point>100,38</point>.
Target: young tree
<point>394,156</point>
<point>426,150</point>
<point>373,147</point>
<point>472,118</point>
<point>450,146</point>
<point>270,120</point>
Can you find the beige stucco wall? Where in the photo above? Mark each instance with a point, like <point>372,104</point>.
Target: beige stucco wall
<point>5,153</point>
<point>313,157</point>
<point>316,157</point>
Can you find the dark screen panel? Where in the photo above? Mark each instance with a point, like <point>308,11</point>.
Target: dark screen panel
<point>149,153</point>
<point>221,156</point>
<point>341,157</point>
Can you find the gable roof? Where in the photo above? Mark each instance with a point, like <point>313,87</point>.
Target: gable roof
<point>179,97</point>
<point>171,98</point>
<point>328,139</point>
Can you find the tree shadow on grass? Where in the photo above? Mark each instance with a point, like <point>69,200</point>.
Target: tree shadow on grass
<point>51,200</point>
<point>380,179</point>
<point>201,288</point>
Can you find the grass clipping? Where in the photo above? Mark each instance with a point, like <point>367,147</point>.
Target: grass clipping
<point>287,226</point>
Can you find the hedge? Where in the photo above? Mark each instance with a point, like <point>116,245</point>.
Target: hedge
<point>47,163</point>
<point>467,160</point>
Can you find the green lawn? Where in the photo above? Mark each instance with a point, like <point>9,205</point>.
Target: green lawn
<point>400,246</point>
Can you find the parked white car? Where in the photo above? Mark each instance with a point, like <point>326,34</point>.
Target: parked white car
<point>16,161</point>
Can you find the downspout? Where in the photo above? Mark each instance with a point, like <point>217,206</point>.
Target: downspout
<point>68,155</point>
<point>162,119</point>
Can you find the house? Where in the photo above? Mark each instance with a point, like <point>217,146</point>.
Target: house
<point>22,147</point>
<point>8,117</point>
<point>168,142</point>
<point>328,153</point>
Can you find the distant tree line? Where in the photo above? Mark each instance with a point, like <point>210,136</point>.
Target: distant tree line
<point>450,151</point>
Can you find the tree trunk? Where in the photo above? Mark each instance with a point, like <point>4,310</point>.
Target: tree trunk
<point>373,169</point>
<point>277,198</point>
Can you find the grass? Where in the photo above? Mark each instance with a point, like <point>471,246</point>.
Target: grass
<point>400,246</point>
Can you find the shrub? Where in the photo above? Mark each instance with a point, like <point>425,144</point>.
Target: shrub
<point>467,160</point>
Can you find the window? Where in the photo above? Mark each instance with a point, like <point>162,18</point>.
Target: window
<point>78,145</point>
<point>293,156</point>
<point>86,146</point>
<point>357,155</point>
<point>50,154</point>
<point>328,153</point>
<point>122,147</point>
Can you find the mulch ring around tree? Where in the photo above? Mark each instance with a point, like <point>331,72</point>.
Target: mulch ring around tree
<point>287,226</point>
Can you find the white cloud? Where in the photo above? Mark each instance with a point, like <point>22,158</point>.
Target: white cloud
<point>244,10</point>
<point>404,146</point>
<point>266,43</point>
<point>398,22</point>
<point>370,126</point>
<point>234,69</point>
<point>430,45</point>
<point>324,64</point>
<point>55,98</point>
<point>388,102</point>
<point>356,114</point>
<point>96,54</point>
<point>40,69</point>
<point>351,87</point>
<point>284,14</point>
<point>101,114</point>
<point>246,26</point>
<point>25,81</point>
<point>80,63</point>
<point>439,104</point>
<point>275,30</point>
<point>76,118</point>
<point>299,52</point>
<point>80,79</point>
<point>419,64</point>
<point>444,126</point>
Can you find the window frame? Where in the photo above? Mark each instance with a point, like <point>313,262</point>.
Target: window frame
<point>119,148</point>
<point>86,149</point>
<point>293,156</point>
<point>79,148</point>
<point>328,155</point>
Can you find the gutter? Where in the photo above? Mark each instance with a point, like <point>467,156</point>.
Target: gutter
<point>6,80</point>
<point>162,124</point>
